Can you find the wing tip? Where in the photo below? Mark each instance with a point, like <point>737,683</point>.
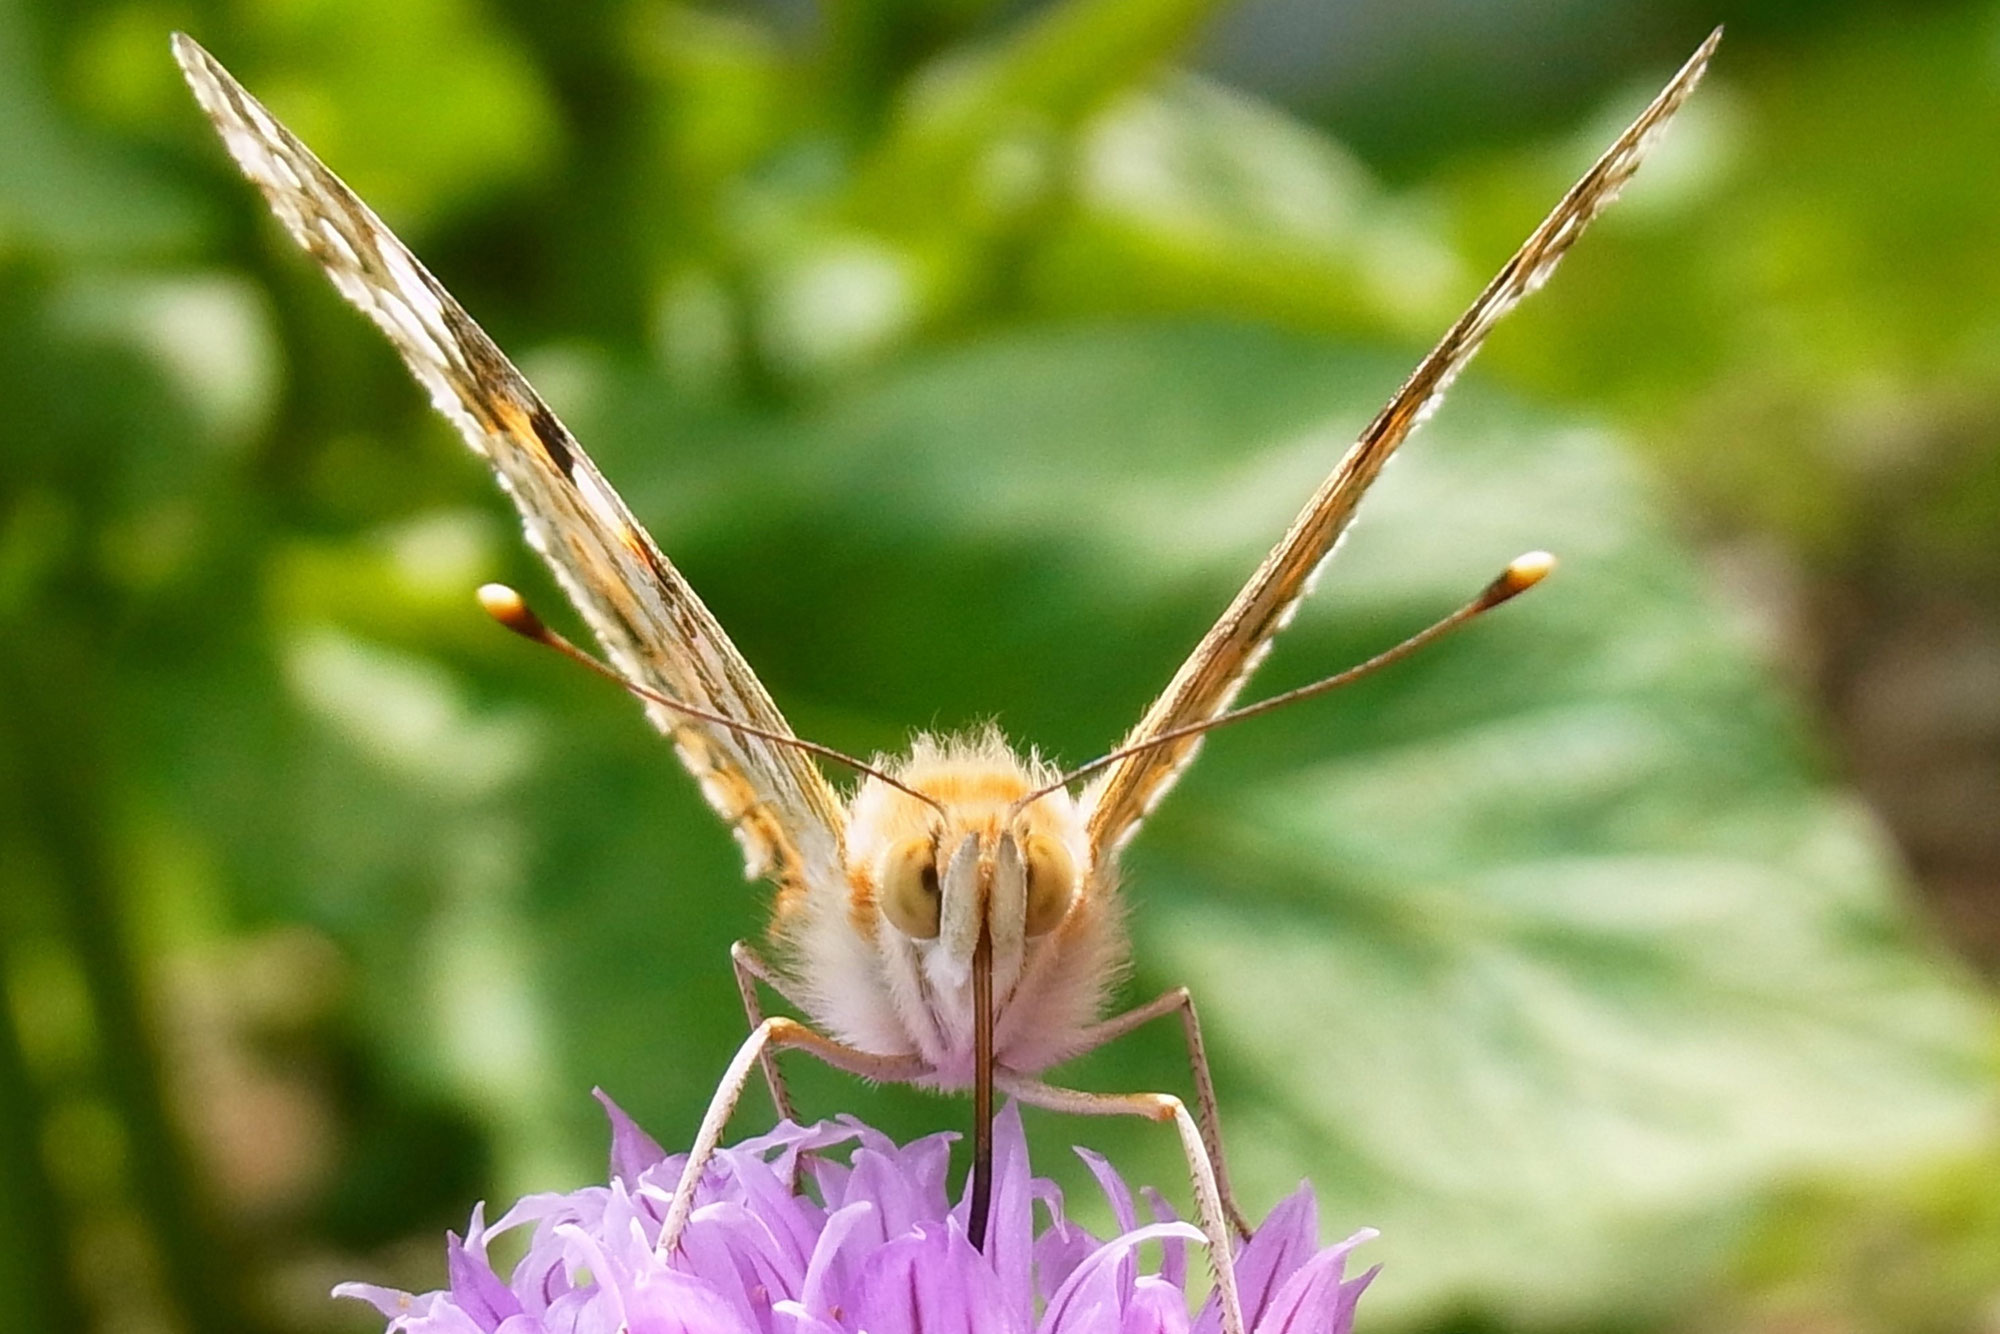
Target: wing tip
<point>1692,70</point>
<point>191,56</point>
<point>214,88</point>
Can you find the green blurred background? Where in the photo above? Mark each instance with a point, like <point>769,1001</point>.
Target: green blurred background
<point>1625,959</point>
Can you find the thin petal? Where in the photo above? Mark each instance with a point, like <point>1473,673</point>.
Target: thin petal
<point>1058,1252</point>
<point>1119,1197</point>
<point>765,1189</point>
<point>826,1283</point>
<point>388,1301</point>
<point>1174,1253</point>
<point>793,1318</point>
<point>632,1149</point>
<point>1350,1295</point>
<point>1307,1302</point>
<point>793,1137</point>
<point>444,1318</point>
<point>931,1282</point>
<point>610,1285</point>
<point>1116,1193</point>
<point>1315,1300</point>
<point>1010,1240</point>
<point>550,1204</point>
<point>1094,1297</point>
<point>1289,1237</point>
<point>739,1258</point>
<point>588,1310</point>
<point>475,1289</point>
<point>664,1302</point>
<point>901,1202</point>
<point>1156,1307</point>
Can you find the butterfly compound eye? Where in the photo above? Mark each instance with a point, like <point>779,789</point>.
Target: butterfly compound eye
<point>906,887</point>
<point>1051,883</point>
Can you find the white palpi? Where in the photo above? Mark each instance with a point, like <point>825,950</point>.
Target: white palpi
<point>954,922</point>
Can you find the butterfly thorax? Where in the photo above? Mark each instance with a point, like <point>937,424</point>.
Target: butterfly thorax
<point>885,959</point>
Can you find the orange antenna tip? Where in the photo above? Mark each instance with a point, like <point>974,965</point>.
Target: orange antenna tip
<point>1522,574</point>
<point>508,607</point>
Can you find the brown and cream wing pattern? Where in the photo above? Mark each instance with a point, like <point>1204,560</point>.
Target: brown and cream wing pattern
<point>653,627</point>
<point>1222,662</point>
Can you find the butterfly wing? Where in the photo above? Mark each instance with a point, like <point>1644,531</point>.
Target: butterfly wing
<point>1209,680</point>
<point>785,815</point>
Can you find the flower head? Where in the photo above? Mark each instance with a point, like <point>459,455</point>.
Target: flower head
<point>876,1246</point>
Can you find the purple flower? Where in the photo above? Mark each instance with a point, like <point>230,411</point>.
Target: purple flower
<point>877,1246</point>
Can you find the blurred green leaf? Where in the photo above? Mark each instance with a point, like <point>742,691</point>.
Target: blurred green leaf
<point>420,137</point>
<point>1546,952</point>
<point>1817,288</point>
<point>65,192</point>
<point>1198,200</point>
<point>1552,952</point>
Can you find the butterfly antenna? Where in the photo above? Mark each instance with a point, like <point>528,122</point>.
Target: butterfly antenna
<point>1522,574</point>
<point>509,608</point>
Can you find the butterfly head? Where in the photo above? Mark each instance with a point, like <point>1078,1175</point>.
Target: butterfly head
<point>973,857</point>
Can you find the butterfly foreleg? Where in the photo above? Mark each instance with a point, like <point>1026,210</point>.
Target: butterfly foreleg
<point>1207,1115</point>
<point>1155,1107</point>
<point>751,969</point>
<point>771,1035</point>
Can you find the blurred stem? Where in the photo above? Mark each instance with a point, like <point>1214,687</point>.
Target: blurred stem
<point>52,723</point>
<point>35,1287</point>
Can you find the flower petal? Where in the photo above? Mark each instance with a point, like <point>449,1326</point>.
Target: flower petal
<point>1288,1238</point>
<point>886,1253</point>
<point>1119,1197</point>
<point>632,1149</point>
<point>827,1280</point>
<point>1157,1307</point>
<point>1095,1297</point>
<point>1010,1237</point>
<point>1174,1257</point>
<point>793,1318</point>
<point>389,1301</point>
<point>767,1190</point>
<point>475,1289</point>
<point>1116,1193</point>
<point>664,1302</point>
<point>931,1281</point>
<point>739,1258</point>
<point>1058,1252</point>
<point>1314,1300</point>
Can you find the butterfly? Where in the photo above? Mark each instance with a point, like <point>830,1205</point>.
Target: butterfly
<point>954,921</point>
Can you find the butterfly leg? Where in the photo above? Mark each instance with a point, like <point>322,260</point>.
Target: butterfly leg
<point>775,1034</point>
<point>1155,1107</point>
<point>750,970</point>
<point>1205,1106</point>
